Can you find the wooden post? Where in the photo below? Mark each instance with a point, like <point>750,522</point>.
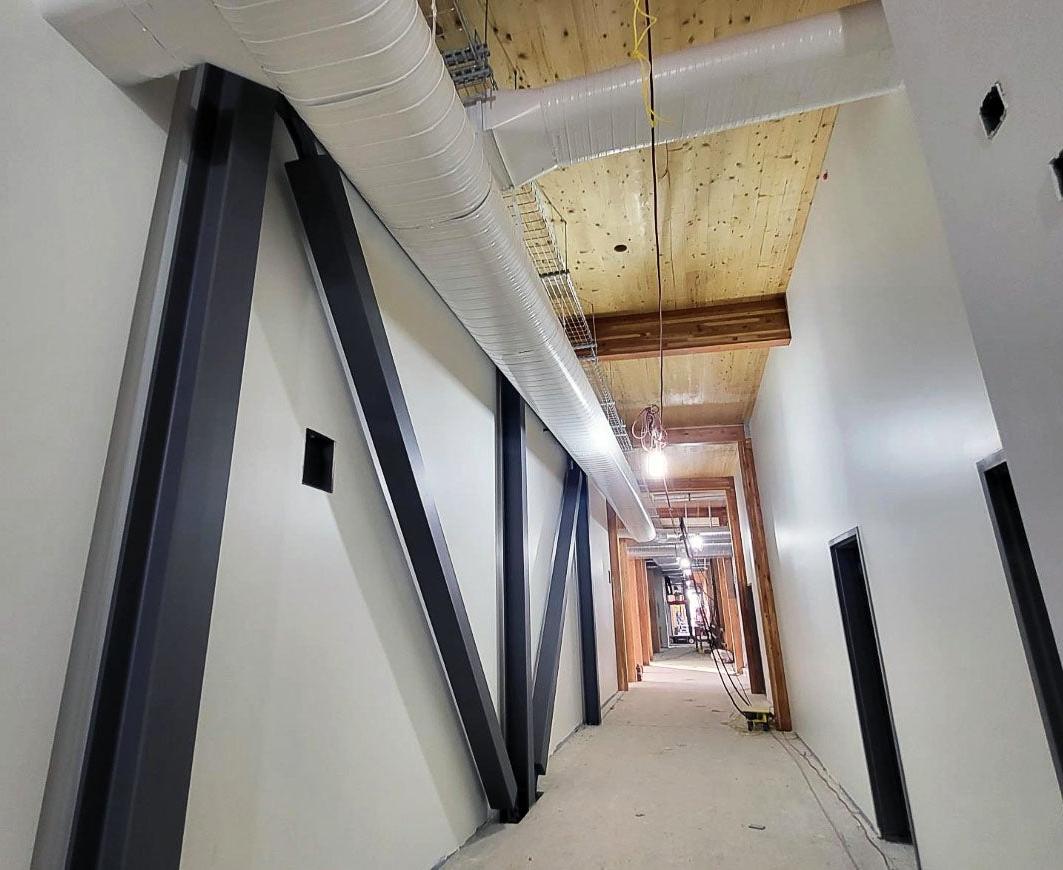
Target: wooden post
<point>732,629</point>
<point>632,622</point>
<point>765,591</point>
<point>644,612</point>
<point>655,624</point>
<point>750,633</point>
<point>619,628</point>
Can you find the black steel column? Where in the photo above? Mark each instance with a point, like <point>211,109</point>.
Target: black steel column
<point>134,786</point>
<point>548,659</point>
<point>588,638</point>
<point>517,707</point>
<point>364,348</point>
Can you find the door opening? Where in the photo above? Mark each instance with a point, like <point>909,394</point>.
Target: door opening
<point>1038,639</point>
<point>872,696</point>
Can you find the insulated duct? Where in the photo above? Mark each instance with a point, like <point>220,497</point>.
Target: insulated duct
<point>825,60</point>
<point>367,78</point>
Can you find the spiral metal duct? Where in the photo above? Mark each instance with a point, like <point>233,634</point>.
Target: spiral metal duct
<point>367,78</point>
<point>824,60</point>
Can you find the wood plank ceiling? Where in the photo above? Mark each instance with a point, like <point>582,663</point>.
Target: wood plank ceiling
<point>732,205</point>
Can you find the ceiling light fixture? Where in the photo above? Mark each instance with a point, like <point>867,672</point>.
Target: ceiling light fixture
<point>655,465</point>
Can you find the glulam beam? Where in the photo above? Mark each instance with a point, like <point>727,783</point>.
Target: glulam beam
<point>735,324</point>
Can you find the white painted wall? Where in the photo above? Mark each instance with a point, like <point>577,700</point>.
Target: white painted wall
<point>546,471</point>
<point>327,733</point>
<point>80,166</point>
<point>1003,223</point>
<point>603,596</point>
<point>875,417</point>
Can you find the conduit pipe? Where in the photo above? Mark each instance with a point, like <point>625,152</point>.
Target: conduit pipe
<point>825,60</point>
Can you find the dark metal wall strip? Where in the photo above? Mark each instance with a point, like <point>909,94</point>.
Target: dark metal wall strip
<point>1035,626</point>
<point>588,642</point>
<point>519,728</point>
<point>548,659</point>
<point>134,788</point>
<point>364,348</point>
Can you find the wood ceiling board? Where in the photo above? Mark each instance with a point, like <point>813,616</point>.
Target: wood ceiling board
<point>699,460</point>
<point>732,209</point>
<point>700,389</point>
<point>733,205</point>
<point>705,434</point>
<point>702,460</point>
<point>544,40</point>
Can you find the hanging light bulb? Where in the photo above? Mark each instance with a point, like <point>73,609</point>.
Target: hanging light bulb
<point>655,465</point>
<point>696,541</point>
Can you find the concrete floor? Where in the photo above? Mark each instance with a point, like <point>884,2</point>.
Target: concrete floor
<point>672,779</point>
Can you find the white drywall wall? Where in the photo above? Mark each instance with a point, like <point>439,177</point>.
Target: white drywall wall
<point>1004,224</point>
<point>603,596</point>
<point>326,724</point>
<point>875,417</point>
<point>81,160</point>
<point>546,472</point>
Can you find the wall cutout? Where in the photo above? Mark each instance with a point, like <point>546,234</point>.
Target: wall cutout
<point>993,110</point>
<point>884,768</point>
<point>1056,163</point>
<point>317,460</point>
<point>1035,627</point>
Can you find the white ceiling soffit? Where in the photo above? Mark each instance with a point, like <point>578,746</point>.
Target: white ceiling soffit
<point>821,61</point>
<point>368,79</point>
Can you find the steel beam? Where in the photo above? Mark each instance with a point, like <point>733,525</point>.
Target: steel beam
<point>517,707</point>
<point>133,790</point>
<point>351,307</point>
<point>548,659</point>
<point>588,643</point>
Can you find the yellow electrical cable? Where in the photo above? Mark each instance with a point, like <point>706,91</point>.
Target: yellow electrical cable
<point>640,33</point>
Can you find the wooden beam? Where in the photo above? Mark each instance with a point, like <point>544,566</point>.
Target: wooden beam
<point>705,435</point>
<point>655,633</point>
<point>703,511</point>
<point>694,484</point>
<point>619,626</point>
<point>730,609</point>
<point>735,324</point>
<point>750,632</point>
<point>765,591</point>
<point>644,612</point>
<point>632,620</point>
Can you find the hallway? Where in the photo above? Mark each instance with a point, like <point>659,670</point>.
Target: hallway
<point>668,780</point>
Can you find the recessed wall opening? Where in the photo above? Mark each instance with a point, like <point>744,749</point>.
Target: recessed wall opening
<point>1056,164</point>
<point>872,696</point>
<point>1035,628</point>
<point>993,110</point>
<point>317,460</point>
